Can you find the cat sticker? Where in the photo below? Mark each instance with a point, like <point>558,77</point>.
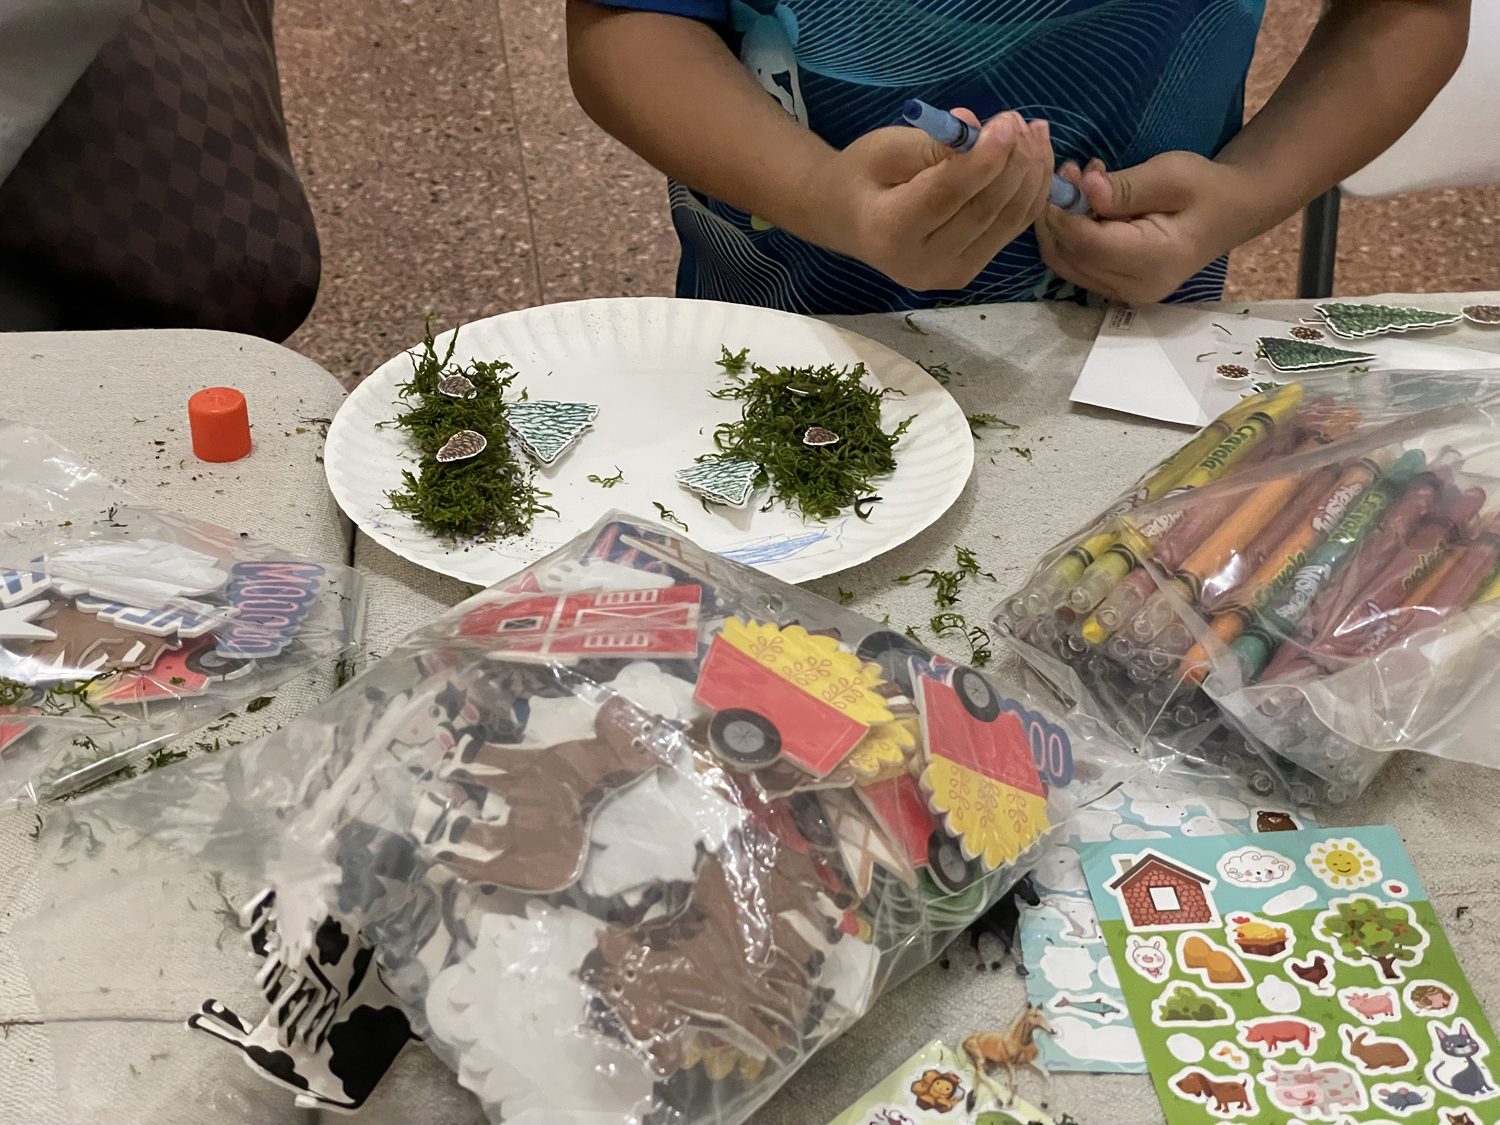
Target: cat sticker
<point>1457,1065</point>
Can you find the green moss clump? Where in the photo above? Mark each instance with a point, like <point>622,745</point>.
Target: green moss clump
<point>485,497</point>
<point>779,406</point>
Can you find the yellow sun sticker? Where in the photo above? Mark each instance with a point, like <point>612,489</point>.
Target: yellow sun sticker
<point>1345,865</point>
<point>816,664</point>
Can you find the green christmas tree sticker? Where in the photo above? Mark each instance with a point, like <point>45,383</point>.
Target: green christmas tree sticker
<point>722,480</point>
<point>1304,355</point>
<point>1362,929</point>
<point>1356,321</point>
<point>546,428</point>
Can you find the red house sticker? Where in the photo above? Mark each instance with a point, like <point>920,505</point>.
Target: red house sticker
<point>1156,893</point>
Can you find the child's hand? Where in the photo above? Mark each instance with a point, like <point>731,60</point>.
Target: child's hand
<point>922,214</point>
<point>1159,223</point>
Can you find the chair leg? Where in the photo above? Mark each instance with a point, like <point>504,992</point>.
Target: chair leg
<point>1320,244</point>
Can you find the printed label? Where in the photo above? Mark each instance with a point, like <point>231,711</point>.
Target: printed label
<point>270,600</point>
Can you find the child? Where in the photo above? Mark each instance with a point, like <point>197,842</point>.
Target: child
<point>792,188</point>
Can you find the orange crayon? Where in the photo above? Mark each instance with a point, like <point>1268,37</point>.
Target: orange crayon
<point>1284,561</point>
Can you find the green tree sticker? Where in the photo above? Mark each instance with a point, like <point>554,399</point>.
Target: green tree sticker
<point>1353,321</point>
<point>1363,929</point>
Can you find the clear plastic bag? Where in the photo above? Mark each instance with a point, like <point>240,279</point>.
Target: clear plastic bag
<point>625,839</point>
<point>1309,584</point>
<point>124,626</point>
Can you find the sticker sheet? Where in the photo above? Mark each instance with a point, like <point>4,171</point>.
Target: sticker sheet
<point>1069,971</point>
<point>1295,978</point>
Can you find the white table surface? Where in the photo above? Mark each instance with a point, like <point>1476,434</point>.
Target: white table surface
<point>1016,361</point>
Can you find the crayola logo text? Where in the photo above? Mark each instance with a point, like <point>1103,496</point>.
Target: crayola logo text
<point>1336,505</point>
<point>270,600</point>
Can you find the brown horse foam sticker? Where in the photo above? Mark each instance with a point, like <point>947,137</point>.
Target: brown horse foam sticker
<point>738,958</point>
<point>550,796</point>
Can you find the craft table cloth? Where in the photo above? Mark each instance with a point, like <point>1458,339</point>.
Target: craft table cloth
<point>1017,362</point>
<point>119,401</point>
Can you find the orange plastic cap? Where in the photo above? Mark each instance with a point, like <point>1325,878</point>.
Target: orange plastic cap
<point>220,424</point>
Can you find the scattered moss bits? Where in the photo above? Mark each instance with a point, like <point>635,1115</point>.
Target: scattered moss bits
<point>780,405</point>
<point>481,498</point>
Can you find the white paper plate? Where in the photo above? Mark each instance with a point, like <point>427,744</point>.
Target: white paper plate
<point>649,365</point>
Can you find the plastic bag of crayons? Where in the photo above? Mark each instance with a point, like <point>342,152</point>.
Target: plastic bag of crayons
<point>125,626</point>
<point>624,838</point>
<point>1305,586</point>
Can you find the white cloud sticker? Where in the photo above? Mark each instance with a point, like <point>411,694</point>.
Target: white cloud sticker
<point>1255,867</point>
<point>1293,898</point>
<point>1068,966</point>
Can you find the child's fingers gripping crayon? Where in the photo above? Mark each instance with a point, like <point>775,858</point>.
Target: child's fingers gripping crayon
<point>1284,562</point>
<point>1278,619</point>
<point>960,136</point>
<point>1369,621</point>
<point>1375,551</point>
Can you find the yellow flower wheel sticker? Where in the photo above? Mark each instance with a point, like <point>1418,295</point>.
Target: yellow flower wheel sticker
<point>883,751</point>
<point>1343,864</point>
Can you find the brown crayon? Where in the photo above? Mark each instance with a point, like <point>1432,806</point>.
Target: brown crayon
<point>1284,561</point>
<point>1371,557</point>
<point>1370,619</point>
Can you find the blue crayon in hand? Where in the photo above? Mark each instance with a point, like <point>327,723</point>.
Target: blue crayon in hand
<point>960,136</point>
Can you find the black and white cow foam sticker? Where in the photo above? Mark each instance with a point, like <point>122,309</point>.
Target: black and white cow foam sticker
<point>333,1028</point>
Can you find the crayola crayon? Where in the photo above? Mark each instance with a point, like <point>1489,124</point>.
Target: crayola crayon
<point>1369,621</point>
<point>1047,592</point>
<point>1235,533</point>
<point>1178,530</point>
<point>1374,552</point>
<point>1217,590</point>
<point>1277,620</point>
<point>1124,556</point>
<point>1452,591</point>
<point>1283,563</point>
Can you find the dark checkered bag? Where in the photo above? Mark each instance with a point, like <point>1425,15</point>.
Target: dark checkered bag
<point>162,193</point>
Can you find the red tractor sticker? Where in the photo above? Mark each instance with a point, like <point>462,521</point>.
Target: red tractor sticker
<point>980,778</point>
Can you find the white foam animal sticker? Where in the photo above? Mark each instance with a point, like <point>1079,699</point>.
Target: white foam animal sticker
<point>650,833</point>
<point>139,572</point>
<point>527,1047</point>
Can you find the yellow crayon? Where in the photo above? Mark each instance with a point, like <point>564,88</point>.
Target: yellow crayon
<point>1177,466</point>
